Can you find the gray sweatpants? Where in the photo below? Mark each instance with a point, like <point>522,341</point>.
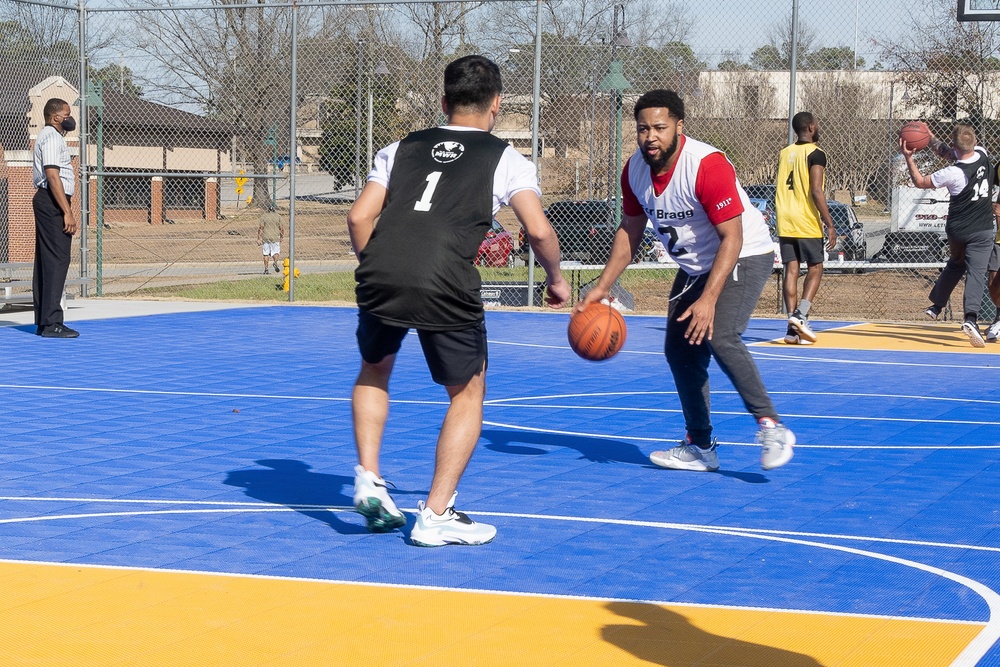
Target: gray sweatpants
<point>969,254</point>
<point>689,363</point>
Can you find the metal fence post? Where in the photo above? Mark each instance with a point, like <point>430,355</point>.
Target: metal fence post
<point>293,150</point>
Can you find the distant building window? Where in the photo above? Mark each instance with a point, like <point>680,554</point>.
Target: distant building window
<point>751,101</point>
<point>184,193</point>
<point>949,102</point>
<point>122,192</point>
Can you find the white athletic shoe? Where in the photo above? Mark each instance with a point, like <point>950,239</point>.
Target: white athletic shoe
<point>971,330</point>
<point>800,324</point>
<point>452,527</point>
<point>687,456</point>
<point>793,338</point>
<point>372,501</point>
<point>993,332</point>
<point>776,444</point>
<point>932,312</point>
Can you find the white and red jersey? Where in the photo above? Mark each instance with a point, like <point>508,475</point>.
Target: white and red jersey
<point>685,204</point>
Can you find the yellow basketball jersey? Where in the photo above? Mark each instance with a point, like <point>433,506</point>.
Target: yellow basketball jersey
<point>797,215</point>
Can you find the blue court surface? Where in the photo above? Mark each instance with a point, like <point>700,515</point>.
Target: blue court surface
<point>221,442</point>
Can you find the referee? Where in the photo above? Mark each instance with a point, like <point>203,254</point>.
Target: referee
<point>55,225</point>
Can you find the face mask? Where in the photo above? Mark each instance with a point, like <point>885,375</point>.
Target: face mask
<point>68,124</point>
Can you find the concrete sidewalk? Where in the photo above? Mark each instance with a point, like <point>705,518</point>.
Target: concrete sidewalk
<point>100,309</point>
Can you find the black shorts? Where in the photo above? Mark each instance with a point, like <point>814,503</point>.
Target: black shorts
<point>809,251</point>
<point>453,357</point>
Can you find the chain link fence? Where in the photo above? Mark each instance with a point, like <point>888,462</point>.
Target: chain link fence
<point>210,130</point>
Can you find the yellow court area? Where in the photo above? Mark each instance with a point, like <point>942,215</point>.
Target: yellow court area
<point>908,337</point>
<point>72,615</point>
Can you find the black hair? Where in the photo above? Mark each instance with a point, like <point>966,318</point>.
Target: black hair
<point>658,98</point>
<point>53,106</point>
<point>471,82</point>
<point>801,121</point>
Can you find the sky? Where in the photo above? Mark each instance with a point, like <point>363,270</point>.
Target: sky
<point>723,25</point>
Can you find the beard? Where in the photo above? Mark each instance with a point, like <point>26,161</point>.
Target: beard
<point>657,163</point>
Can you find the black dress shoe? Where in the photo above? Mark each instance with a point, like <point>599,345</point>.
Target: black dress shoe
<point>59,331</point>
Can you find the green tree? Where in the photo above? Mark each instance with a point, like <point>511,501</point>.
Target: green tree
<point>117,77</point>
<point>833,57</point>
<point>338,149</point>
<point>767,57</point>
<point>730,65</point>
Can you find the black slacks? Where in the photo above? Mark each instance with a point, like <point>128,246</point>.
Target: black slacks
<point>52,253</point>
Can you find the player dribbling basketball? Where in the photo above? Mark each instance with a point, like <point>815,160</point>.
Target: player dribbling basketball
<point>689,191</point>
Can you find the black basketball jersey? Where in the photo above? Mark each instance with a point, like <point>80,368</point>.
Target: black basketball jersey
<point>971,210</point>
<point>418,269</point>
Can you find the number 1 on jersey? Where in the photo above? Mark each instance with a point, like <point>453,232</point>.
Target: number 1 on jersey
<point>424,203</point>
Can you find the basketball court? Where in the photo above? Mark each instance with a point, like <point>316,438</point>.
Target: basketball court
<point>176,490</point>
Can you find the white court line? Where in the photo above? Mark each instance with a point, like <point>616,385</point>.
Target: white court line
<point>481,591</point>
<point>969,657</point>
<point>518,400</point>
<point>832,360</point>
<point>756,351</point>
<point>853,418</point>
<point>605,436</point>
<point>335,508</point>
<point>845,394</point>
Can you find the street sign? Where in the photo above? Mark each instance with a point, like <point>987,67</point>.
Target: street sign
<point>240,182</point>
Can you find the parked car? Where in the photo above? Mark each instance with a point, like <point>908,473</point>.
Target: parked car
<point>651,248</point>
<point>913,247</point>
<point>585,229</point>
<point>763,191</point>
<point>497,249</point>
<point>850,233</point>
<point>766,210</point>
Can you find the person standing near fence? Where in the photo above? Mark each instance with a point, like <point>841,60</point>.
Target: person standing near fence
<point>55,183</point>
<point>270,234</point>
<point>971,226</point>
<point>434,195</point>
<point>802,213</point>
<point>699,210</point>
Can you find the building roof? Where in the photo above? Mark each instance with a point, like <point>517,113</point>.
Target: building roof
<point>17,78</point>
<point>124,110</point>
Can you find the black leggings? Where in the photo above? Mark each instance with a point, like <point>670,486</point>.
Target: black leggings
<point>689,363</point>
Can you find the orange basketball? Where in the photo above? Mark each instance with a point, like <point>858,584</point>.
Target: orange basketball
<point>916,135</point>
<point>597,333</point>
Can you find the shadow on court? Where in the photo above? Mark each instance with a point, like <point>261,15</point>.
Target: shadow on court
<point>290,483</point>
<point>668,638</point>
<point>597,450</point>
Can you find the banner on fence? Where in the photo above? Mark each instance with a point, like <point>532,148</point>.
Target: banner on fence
<point>916,210</point>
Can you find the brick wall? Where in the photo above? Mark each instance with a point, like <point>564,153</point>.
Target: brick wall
<point>21,218</point>
<point>212,199</point>
<point>156,208</point>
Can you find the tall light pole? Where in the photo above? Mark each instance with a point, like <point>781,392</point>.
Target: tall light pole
<point>615,82</point>
<point>888,188</point>
<point>357,124</point>
<point>792,68</point>
<point>590,148</point>
<point>892,152</point>
<point>381,70</point>
<point>857,12</point>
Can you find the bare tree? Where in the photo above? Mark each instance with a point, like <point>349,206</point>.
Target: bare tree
<point>855,142</point>
<point>948,68</point>
<point>732,114</point>
<point>234,64</point>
